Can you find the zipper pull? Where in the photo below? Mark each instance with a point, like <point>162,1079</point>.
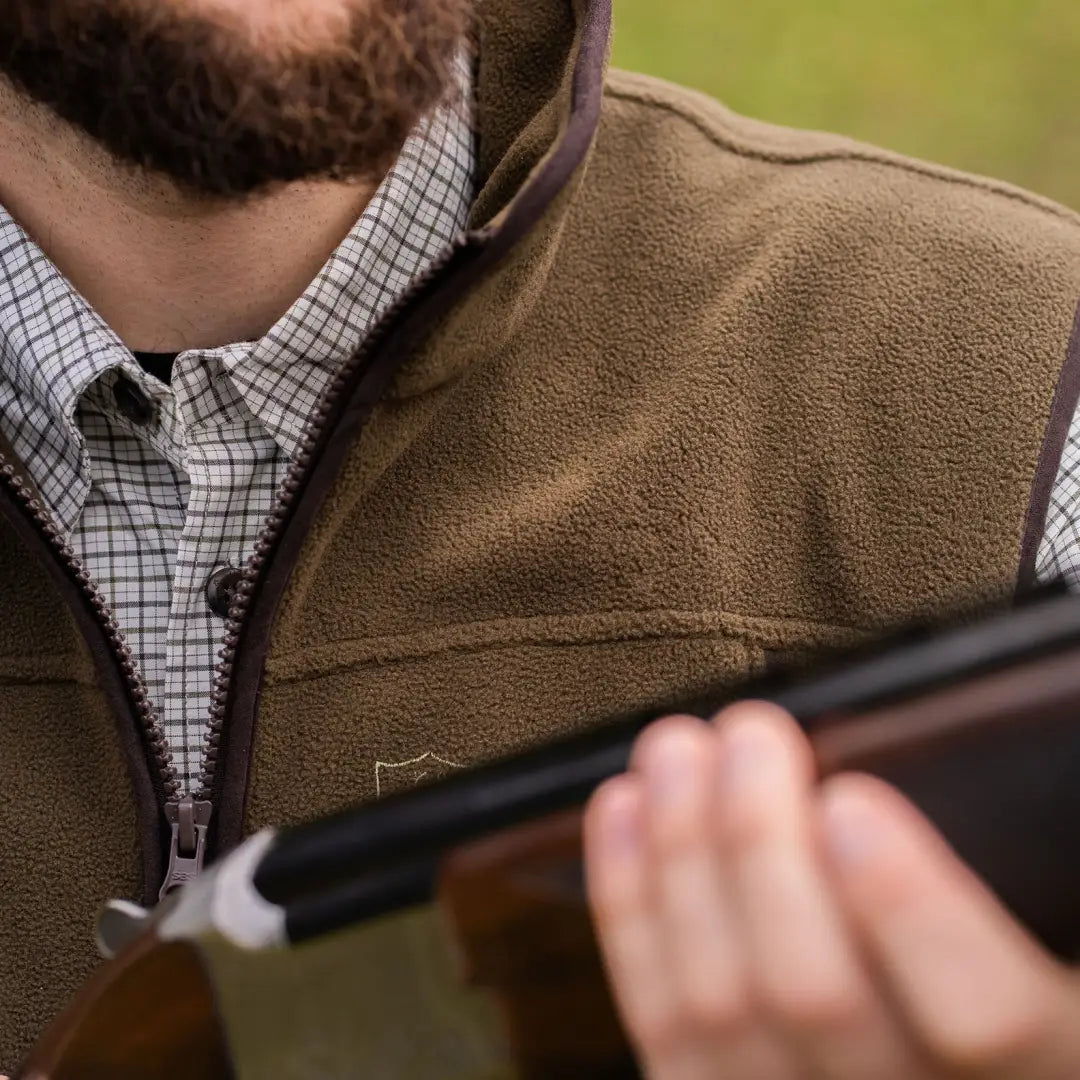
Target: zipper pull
<point>188,821</point>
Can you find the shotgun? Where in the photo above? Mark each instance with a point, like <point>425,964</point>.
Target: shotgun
<point>444,932</point>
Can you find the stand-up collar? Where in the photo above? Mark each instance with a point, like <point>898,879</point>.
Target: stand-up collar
<point>539,88</point>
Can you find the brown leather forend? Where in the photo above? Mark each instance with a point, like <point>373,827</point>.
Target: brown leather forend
<point>994,762</point>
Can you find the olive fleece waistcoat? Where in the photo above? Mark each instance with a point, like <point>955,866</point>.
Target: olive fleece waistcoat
<point>692,390</point>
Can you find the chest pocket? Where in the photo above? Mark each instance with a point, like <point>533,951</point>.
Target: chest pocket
<point>368,729</point>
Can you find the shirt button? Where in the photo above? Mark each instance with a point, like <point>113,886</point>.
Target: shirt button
<point>132,402</point>
<point>221,588</point>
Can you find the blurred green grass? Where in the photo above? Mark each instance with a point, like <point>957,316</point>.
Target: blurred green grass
<point>991,86</point>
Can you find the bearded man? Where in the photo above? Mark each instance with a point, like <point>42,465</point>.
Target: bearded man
<point>460,393</point>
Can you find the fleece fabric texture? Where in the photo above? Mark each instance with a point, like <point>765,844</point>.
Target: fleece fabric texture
<point>741,391</point>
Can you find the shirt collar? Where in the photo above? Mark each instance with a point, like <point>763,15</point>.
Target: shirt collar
<point>52,343</point>
<point>53,347</point>
<point>419,209</point>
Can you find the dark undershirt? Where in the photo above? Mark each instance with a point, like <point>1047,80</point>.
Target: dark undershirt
<point>158,364</point>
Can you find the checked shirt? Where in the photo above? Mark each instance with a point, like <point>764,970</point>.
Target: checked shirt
<point>156,486</point>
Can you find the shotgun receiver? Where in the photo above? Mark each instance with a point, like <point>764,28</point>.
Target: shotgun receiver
<point>444,933</point>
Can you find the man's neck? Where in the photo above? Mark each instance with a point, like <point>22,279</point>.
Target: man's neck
<point>166,272</point>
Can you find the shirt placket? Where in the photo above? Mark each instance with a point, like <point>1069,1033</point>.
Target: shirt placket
<point>134,508</point>
<point>233,468</point>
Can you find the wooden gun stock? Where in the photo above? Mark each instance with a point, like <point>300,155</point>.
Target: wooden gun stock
<point>149,1013</point>
<point>979,727</point>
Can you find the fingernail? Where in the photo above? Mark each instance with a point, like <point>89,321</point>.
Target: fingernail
<point>670,767</point>
<point>849,831</point>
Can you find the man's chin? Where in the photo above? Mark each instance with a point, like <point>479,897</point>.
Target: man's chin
<point>185,97</point>
<point>271,27</point>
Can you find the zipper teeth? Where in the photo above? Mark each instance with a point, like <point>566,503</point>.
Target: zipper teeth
<point>295,480</point>
<point>155,739</point>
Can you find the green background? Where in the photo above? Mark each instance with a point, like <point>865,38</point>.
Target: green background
<point>992,86</point>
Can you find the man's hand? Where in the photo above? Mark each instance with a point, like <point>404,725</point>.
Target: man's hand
<point>757,926</point>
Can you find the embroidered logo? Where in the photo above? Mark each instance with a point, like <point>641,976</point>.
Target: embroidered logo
<point>394,776</point>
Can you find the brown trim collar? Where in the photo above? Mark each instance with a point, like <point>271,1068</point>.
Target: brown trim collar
<point>1057,431</point>
<point>586,97</point>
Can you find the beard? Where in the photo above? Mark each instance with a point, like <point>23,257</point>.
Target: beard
<point>196,97</point>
